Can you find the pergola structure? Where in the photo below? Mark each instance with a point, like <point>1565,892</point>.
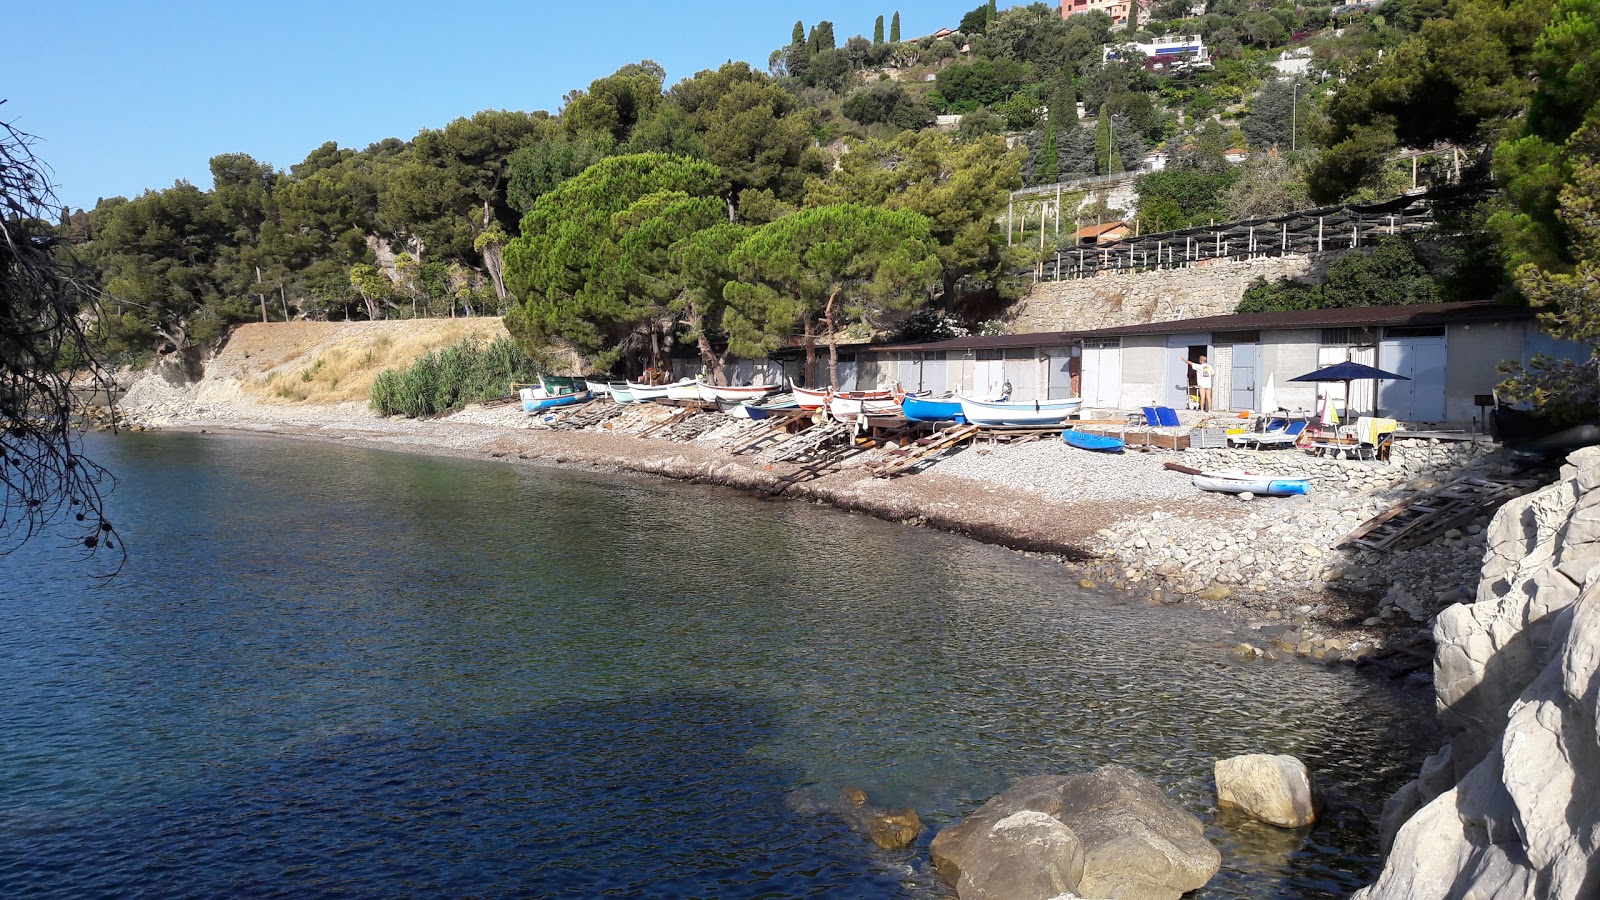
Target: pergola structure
<point>1319,230</point>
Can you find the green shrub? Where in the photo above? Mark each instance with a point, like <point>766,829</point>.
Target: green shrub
<point>449,379</point>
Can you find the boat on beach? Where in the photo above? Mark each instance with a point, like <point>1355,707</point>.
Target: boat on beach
<point>737,393</point>
<point>643,393</point>
<point>1260,484</point>
<point>599,388</point>
<point>683,390</point>
<point>1019,412</point>
<point>562,384</point>
<point>621,393</point>
<point>923,409</point>
<point>817,399</point>
<point>537,399</point>
<point>847,406</point>
<point>1101,443</point>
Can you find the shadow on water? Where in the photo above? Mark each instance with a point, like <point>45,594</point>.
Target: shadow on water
<point>645,797</point>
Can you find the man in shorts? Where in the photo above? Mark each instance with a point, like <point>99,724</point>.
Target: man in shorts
<point>1202,381</point>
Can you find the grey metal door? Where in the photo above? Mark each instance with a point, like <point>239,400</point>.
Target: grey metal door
<point>1242,376</point>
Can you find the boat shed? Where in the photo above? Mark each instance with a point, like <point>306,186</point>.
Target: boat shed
<point>1449,351</point>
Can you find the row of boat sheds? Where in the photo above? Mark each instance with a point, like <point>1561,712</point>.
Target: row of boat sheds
<point>1345,381</point>
<point>1447,353</point>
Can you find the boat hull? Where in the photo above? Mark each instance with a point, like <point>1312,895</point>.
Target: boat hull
<point>843,407</point>
<point>916,409</point>
<point>1099,443</point>
<point>621,394</point>
<point>681,391</point>
<point>1023,413</point>
<point>540,405</point>
<point>599,388</point>
<point>643,393</point>
<point>806,398</point>
<point>1252,483</point>
<point>737,393</point>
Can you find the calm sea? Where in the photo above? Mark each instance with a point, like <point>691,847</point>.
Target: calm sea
<point>334,672</point>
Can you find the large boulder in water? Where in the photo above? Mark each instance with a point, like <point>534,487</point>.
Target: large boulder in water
<point>1137,844</point>
<point>1026,855</point>
<point>1275,789</point>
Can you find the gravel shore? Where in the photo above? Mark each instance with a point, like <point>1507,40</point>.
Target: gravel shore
<point>1121,519</point>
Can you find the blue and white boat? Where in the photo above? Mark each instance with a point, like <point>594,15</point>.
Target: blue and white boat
<point>1038,413</point>
<point>1260,484</point>
<point>921,409</point>
<point>538,400</point>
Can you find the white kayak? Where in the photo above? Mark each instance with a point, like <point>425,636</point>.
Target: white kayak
<point>1234,482</point>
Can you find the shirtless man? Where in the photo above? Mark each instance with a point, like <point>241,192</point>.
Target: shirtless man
<point>1202,380</point>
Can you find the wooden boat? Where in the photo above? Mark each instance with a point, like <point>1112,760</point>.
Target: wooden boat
<point>562,384</point>
<point>738,393</point>
<point>683,390</point>
<point>540,404</point>
<point>1084,440</point>
<point>599,388</point>
<point>1233,482</point>
<point>810,399</point>
<point>921,409</point>
<point>706,393</point>
<point>621,393</point>
<point>1019,412</point>
<point>846,406</point>
<point>643,393</point>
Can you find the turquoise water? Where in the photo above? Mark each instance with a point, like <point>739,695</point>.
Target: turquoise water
<point>334,672</point>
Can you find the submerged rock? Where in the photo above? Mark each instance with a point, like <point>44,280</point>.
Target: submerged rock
<point>894,829</point>
<point>1275,789</point>
<point>1137,844</point>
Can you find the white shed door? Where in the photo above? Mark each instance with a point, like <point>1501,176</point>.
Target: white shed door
<point>1101,381</point>
<point>1422,360</point>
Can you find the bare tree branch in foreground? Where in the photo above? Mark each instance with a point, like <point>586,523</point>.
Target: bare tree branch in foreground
<point>46,484</point>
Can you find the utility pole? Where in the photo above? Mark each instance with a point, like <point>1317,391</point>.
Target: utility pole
<point>1294,118</point>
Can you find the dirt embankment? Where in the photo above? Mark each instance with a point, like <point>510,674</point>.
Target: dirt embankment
<point>325,363</point>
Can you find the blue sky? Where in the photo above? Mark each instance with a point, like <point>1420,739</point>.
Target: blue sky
<point>127,96</point>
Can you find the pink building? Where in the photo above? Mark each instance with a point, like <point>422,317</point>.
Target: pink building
<point>1118,10</point>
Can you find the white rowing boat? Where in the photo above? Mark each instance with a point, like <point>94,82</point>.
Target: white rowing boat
<point>1019,412</point>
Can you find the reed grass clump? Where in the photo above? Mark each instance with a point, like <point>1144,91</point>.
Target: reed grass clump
<point>448,379</point>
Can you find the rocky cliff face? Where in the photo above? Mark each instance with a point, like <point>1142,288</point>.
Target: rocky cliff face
<point>1510,807</point>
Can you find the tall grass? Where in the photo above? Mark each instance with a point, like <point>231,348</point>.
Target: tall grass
<point>448,379</point>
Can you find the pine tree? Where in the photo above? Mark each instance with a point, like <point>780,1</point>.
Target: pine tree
<point>877,31</point>
<point>1047,167</point>
<point>894,28</point>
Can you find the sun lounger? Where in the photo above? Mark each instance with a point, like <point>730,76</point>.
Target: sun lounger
<point>1281,439</point>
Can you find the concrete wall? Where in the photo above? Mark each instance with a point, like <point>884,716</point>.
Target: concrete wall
<point>1285,354</point>
<point>1144,361</point>
<point>1472,356</point>
<point>1166,295</point>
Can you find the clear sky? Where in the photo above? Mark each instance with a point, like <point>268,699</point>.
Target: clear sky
<point>129,96</point>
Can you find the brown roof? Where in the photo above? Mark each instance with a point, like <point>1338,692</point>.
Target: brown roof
<point>1348,317</point>
<point>1088,231</point>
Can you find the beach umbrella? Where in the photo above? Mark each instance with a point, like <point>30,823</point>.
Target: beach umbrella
<point>1348,372</point>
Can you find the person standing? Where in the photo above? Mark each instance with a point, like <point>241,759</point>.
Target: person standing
<point>1202,380</point>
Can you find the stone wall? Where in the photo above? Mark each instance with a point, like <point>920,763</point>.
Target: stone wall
<point>1507,808</point>
<point>1211,288</point>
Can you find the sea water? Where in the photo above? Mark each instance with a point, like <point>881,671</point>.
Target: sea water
<point>327,671</point>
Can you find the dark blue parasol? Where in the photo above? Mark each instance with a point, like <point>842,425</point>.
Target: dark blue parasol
<point>1347,372</point>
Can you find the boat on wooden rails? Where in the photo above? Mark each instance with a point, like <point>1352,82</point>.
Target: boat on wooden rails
<point>924,409</point>
<point>644,393</point>
<point>817,399</point>
<point>848,406</point>
<point>738,393</point>
<point>538,399</point>
<point>1019,412</point>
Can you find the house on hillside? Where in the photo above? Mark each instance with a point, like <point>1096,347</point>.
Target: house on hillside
<point>1120,11</point>
<point>1170,52</point>
<point>1095,235</point>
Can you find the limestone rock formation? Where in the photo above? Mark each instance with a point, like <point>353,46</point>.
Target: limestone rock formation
<point>1275,789</point>
<point>1027,856</point>
<point>1137,844</point>
<point>1512,806</point>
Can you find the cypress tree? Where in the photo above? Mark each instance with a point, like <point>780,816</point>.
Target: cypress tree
<point>1047,167</point>
<point>894,28</point>
<point>1063,101</point>
<point>799,36</point>
<point>877,31</point>
<point>1107,158</point>
<point>825,39</point>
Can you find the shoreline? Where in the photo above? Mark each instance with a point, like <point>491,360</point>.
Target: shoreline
<point>1311,612</point>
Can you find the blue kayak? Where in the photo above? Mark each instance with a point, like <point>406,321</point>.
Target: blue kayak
<point>1086,441</point>
<point>918,409</point>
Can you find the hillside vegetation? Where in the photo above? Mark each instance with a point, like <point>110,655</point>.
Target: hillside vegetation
<point>741,208</point>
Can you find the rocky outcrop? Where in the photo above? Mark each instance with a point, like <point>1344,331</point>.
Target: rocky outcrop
<point>1136,843</point>
<point>1509,807</point>
<point>1028,854</point>
<point>1276,789</point>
